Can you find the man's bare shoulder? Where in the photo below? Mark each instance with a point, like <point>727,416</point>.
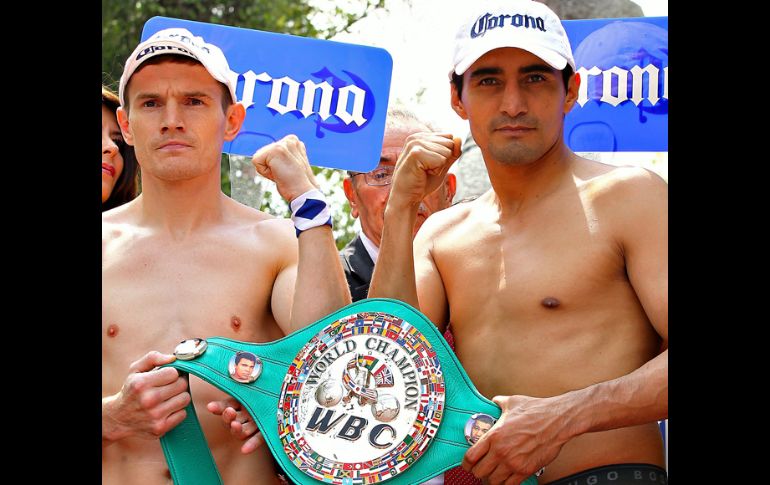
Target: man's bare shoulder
<point>630,200</point>
<point>239,223</point>
<point>121,213</point>
<point>628,184</point>
<point>443,220</point>
<point>250,230</point>
<point>243,217</point>
<point>120,221</point>
<point>451,220</point>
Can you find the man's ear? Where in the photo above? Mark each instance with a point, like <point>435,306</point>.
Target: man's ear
<point>123,123</point>
<point>235,114</point>
<point>573,88</point>
<point>457,103</point>
<point>350,193</point>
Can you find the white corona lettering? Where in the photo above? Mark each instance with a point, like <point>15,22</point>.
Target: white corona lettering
<point>289,89</point>
<point>583,90</point>
<point>357,116</point>
<point>309,99</point>
<point>291,96</point>
<point>249,81</point>
<point>607,95</point>
<point>638,81</point>
<point>652,84</point>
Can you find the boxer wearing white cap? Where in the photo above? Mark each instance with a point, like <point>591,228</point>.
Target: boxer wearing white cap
<point>555,280</point>
<point>183,260</point>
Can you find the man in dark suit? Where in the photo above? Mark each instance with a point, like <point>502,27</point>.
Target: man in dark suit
<point>358,266</point>
<point>368,194</point>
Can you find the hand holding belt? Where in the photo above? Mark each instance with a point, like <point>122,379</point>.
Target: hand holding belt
<point>436,438</point>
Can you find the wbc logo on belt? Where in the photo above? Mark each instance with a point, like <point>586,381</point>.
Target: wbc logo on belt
<point>361,401</point>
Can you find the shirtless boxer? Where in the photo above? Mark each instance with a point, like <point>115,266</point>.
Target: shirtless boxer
<point>183,260</point>
<point>555,280</point>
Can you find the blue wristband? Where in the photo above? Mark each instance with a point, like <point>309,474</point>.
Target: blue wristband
<point>310,210</point>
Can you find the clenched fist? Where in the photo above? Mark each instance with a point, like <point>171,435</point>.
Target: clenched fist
<point>423,164</point>
<point>285,163</point>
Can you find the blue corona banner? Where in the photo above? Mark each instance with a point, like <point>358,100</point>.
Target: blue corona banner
<point>332,95</point>
<point>623,99</point>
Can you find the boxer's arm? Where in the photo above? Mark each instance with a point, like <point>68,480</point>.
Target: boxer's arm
<point>430,287</point>
<point>321,287</point>
<point>316,285</point>
<point>509,452</point>
<point>393,275</point>
<point>642,225</point>
<point>420,169</point>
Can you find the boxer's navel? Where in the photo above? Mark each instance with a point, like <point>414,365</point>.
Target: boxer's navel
<point>235,322</point>
<point>112,330</point>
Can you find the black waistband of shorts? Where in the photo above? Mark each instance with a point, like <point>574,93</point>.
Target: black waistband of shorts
<point>617,474</point>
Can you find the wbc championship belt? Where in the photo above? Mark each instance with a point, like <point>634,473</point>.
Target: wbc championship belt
<point>369,393</point>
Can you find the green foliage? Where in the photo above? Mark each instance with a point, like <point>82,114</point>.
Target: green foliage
<point>225,175</point>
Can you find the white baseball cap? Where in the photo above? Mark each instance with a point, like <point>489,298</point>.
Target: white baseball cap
<point>181,42</point>
<point>525,24</point>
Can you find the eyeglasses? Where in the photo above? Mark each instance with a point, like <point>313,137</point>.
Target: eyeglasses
<point>378,177</point>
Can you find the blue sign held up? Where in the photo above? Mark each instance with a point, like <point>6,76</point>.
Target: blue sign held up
<point>623,99</point>
<point>332,95</point>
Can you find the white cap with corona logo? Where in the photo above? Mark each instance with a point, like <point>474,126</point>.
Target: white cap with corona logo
<point>525,24</point>
<point>181,42</point>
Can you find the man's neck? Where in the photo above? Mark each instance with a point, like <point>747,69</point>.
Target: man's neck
<point>517,185</point>
<point>181,207</point>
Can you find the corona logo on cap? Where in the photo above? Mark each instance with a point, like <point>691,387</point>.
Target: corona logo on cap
<point>361,401</point>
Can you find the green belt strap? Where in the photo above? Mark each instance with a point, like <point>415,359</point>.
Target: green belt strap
<point>187,452</point>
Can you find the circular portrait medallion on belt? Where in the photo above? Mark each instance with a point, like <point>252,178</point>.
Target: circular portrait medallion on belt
<point>361,401</point>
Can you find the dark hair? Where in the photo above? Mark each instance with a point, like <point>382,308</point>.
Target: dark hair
<point>245,355</point>
<point>226,98</point>
<point>485,419</point>
<point>127,186</point>
<point>457,80</point>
